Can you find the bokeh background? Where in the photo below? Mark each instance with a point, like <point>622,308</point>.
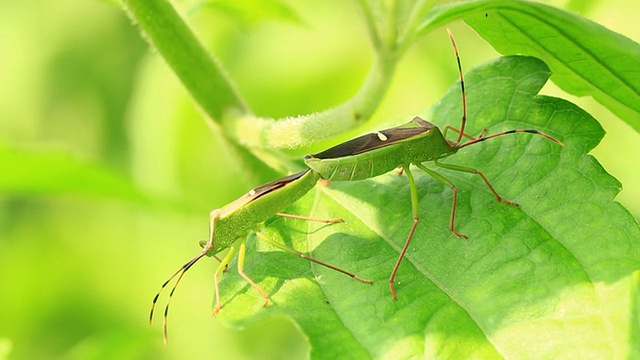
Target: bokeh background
<point>78,269</point>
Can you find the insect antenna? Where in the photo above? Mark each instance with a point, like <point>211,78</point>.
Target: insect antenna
<point>180,273</point>
<point>530,131</point>
<point>464,94</point>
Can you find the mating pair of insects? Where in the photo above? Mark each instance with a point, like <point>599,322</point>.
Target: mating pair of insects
<point>364,157</point>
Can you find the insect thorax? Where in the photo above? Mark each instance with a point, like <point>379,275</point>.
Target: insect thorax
<point>431,146</point>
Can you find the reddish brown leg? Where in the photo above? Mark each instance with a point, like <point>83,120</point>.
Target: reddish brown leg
<point>307,218</point>
<point>477,172</point>
<point>449,184</point>
<point>415,211</point>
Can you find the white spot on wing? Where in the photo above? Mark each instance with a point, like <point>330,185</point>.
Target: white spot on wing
<point>382,136</point>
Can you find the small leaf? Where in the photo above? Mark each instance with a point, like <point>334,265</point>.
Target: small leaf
<point>548,279</point>
<point>586,58</point>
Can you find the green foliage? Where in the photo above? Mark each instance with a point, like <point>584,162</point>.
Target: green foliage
<point>595,64</point>
<point>556,276</point>
<point>586,58</point>
<point>530,277</point>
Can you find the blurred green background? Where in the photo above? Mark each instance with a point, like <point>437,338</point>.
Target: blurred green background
<point>78,268</point>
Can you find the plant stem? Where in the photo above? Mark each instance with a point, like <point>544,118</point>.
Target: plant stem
<point>197,69</point>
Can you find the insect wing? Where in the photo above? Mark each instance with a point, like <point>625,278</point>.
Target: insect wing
<point>373,141</point>
<point>261,190</point>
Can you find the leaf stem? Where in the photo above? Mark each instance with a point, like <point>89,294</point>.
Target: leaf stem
<point>197,69</point>
<point>299,131</point>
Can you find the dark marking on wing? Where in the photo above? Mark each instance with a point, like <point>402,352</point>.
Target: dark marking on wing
<point>276,184</point>
<point>372,141</point>
<point>262,190</point>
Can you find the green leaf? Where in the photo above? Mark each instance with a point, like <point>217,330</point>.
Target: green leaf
<point>586,58</point>
<point>551,278</point>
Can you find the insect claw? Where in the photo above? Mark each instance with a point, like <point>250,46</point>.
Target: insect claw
<point>509,202</point>
<point>370,282</point>
<point>460,235</point>
<point>393,290</point>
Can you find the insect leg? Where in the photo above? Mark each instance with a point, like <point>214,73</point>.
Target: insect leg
<point>457,131</point>
<point>449,184</point>
<point>216,278</point>
<point>307,218</point>
<point>241,253</point>
<point>414,211</point>
<point>304,256</point>
<point>477,172</point>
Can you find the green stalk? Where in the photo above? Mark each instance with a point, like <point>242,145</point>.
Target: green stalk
<point>197,69</point>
